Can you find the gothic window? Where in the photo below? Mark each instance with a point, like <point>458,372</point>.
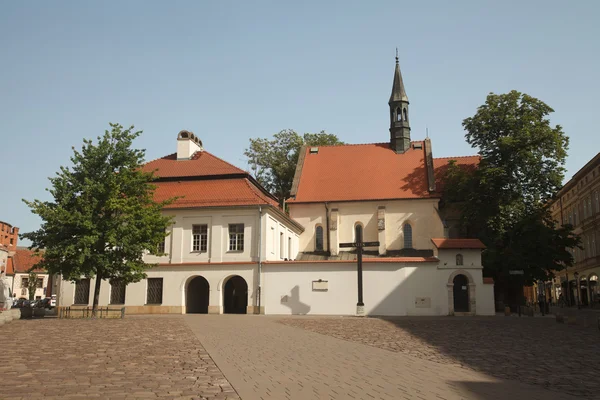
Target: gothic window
<point>82,291</point>
<point>398,114</point>
<point>200,238</point>
<point>459,259</point>
<point>408,242</point>
<point>319,238</point>
<point>358,232</point>
<point>597,202</point>
<point>236,237</point>
<point>117,292</point>
<point>405,114</point>
<point>155,289</point>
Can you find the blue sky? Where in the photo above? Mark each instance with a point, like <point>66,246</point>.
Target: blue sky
<point>230,71</point>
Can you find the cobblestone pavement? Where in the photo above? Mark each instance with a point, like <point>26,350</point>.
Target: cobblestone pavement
<point>535,351</point>
<point>264,359</point>
<point>109,359</point>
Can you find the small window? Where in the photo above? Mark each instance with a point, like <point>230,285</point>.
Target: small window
<point>408,242</point>
<point>358,233</point>
<point>117,292</point>
<point>273,240</point>
<point>12,241</point>
<point>200,238</point>
<point>161,247</point>
<point>319,238</point>
<point>398,114</point>
<point>459,259</point>
<point>236,237</point>
<point>290,248</point>
<point>24,283</point>
<point>155,289</point>
<point>40,283</point>
<point>405,115</point>
<point>281,245</point>
<point>82,291</point>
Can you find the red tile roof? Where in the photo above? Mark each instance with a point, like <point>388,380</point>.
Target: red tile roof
<point>212,193</point>
<point>440,166</point>
<point>488,280</point>
<point>10,270</point>
<point>24,259</point>
<point>202,164</point>
<point>458,243</point>
<point>368,172</point>
<point>362,172</point>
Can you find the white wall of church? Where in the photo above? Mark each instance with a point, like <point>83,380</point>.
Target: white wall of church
<point>388,288</point>
<point>420,213</point>
<point>280,241</point>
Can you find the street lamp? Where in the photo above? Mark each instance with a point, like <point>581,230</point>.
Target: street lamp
<point>576,275</point>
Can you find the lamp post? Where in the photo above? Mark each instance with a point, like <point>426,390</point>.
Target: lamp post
<point>576,275</point>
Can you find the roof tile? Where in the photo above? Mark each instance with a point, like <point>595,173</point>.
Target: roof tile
<point>202,163</point>
<point>24,259</point>
<point>458,243</point>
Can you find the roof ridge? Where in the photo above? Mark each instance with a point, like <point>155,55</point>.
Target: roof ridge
<point>453,157</point>
<point>226,162</point>
<point>257,192</point>
<point>160,158</point>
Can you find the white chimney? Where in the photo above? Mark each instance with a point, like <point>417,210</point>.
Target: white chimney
<point>187,145</point>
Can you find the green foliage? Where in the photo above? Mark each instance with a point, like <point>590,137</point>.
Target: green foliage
<point>103,217</point>
<point>274,160</point>
<point>502,202</point>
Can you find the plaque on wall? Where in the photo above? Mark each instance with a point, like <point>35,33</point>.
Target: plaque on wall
<point>320,286</point>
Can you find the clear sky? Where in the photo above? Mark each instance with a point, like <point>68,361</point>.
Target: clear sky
<point>229,71</point>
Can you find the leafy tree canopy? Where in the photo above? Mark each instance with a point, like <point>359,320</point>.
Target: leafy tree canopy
<point>103,217</point>
<point>502,202</point>
<point>274,160</point>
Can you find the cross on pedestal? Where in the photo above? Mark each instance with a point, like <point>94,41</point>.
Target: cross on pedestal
<point>359,244</point>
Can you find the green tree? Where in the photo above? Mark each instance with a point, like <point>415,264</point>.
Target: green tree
<point>103,217</point>
<point>274,160</point>
<point>32,284</point>
<point>502,202</point>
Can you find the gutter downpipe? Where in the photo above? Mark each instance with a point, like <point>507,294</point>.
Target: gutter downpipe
<point>258,289</point>
<point>327,227</point>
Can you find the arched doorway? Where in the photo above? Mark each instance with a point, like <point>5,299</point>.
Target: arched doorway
<point>235,295</point>
<point>461,293</point>
<point>197,295</point>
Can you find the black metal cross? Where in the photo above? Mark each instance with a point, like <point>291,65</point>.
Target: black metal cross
<point>359,244</point>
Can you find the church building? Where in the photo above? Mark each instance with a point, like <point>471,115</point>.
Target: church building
<point>232,249</point>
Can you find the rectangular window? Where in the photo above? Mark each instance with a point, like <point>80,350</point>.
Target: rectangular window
<point>273,244</point>
<point>236,237</point>
<point>597,202</point>
<point>117,292</point>
<point>289,248</point>
<point>281,246</point>
<point>40,283</point>
<point>155,291</point>
<point>24,282</point>
<point>200,238</point>
<point>82,291</point>
<point>161,247</point>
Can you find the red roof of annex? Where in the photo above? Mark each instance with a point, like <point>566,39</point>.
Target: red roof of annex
<point>458,243</point>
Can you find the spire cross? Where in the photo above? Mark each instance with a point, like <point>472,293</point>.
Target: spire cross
<point>396,55</point>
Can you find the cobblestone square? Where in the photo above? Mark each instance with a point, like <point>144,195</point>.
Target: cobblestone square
<point>143,357</point>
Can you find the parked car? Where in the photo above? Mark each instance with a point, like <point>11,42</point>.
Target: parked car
<point>53,301</point>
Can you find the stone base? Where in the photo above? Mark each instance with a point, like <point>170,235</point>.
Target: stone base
<point>360,311</point>
<point>214,309</point>
<point>154,310</point>
<point>255,310</point>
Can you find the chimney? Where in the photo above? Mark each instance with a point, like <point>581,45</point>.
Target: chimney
<point>429,165</point>
<point>188,144</point>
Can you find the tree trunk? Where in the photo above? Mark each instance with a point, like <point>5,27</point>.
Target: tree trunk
<point>96,294</point>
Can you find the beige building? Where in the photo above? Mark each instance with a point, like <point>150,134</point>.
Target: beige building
<point>578,204</point>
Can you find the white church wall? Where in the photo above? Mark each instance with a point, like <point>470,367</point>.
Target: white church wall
<point>420,213</point>
<point>175,280</point>
<point>471,258</point>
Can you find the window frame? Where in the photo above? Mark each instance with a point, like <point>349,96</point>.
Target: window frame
<point>89,285</point>
<point>236,238</point>
<point>199,238</point>
<point>322,239</point>
<point>162,289</point>
<point>460,260</point>
<point>113,283</point>
<point>404,231</point>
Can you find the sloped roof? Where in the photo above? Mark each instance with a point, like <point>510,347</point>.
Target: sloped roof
<point>458,243</point>
<point>441,165</point>
<point>362,172</point>
<point>10,270</point>
<point>24,259</point>
<point>202,164</point>
<point>212,193</point>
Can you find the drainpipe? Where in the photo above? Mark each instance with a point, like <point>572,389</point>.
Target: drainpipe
<point>258,289</point>
<point>327,227</point>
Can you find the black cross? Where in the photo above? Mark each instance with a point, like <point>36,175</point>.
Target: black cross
<point>359,244</point>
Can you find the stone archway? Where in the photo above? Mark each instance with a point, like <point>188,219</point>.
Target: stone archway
<point>197,296</point>
<point>460,278</point>
<point>235,295</point>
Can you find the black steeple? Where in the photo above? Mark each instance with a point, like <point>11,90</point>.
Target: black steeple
<point>399,126</point>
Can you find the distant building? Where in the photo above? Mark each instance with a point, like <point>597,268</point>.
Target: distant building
<point>578,203</point>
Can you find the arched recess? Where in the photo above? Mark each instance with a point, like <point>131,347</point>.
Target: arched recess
<point>235,295</point>
<point>319,242</point>
<point>407,232</point>
<point>359,232</point>
<point>197,295</point>
<point>471,292</point>
<point>405,115</point>
<point>398,114</point>
<point>593,288</point>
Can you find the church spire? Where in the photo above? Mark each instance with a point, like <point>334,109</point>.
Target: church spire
<point>399,126</point>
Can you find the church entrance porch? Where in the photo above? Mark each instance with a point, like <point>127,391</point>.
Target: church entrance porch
<point>461,293</point>
<point>197,296</point>
<point>235,295</point>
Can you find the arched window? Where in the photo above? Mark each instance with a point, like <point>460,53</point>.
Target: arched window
<point>407,229</point>
<point>398,114</point>
<point>405,115</point>
<point>319,238</point>
<point>358,232</point>
<point>459,259</point>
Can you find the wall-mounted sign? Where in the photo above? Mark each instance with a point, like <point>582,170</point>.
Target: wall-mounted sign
<point>320,286</point>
